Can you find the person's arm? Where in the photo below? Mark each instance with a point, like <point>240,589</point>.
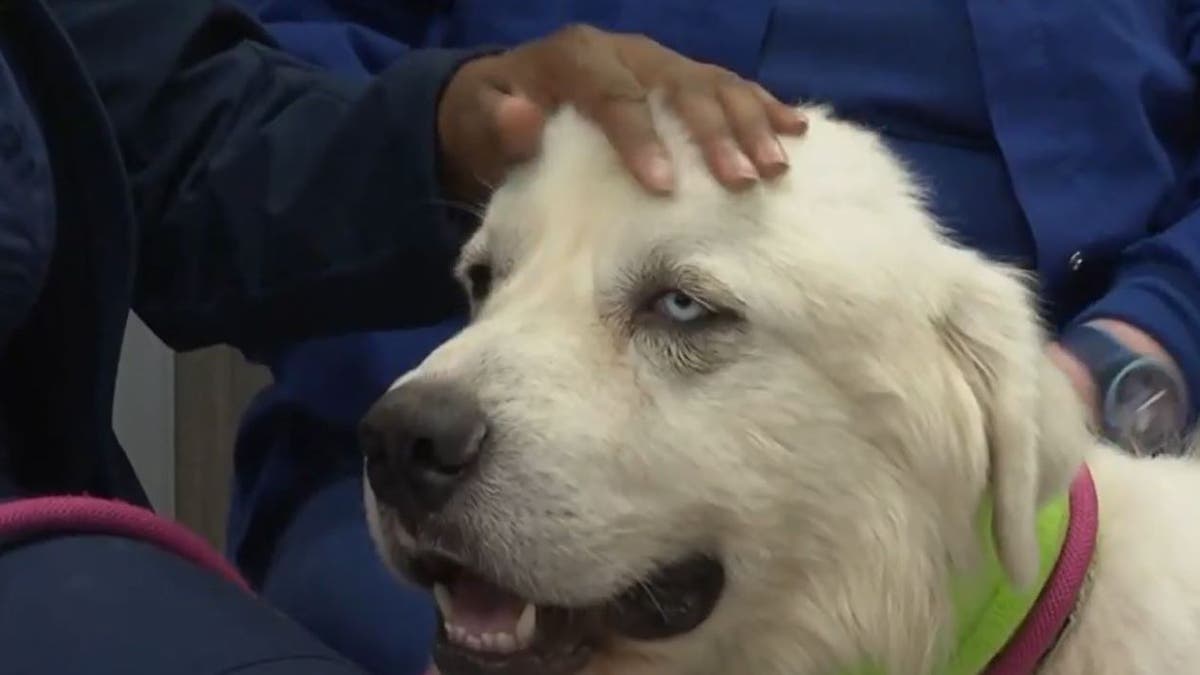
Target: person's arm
<point>1153,305</point>
<point>275,202</point>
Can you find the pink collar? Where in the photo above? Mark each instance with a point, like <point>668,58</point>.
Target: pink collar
<point>1051,613</point>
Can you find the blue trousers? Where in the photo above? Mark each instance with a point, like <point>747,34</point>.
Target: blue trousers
<point>100,605</point>
<point>296,525</point>
<point>326,576</point>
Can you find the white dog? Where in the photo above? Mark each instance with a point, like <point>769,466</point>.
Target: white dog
<point>792,431</point>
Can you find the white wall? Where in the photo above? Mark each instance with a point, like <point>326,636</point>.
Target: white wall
<point>144,413</point>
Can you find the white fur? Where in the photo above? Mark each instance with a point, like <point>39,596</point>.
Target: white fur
<point>833,447</point>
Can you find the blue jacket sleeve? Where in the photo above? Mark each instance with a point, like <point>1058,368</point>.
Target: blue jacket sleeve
<point>1156,286</point>
<point>362,38</point>
<point>275,202</point>
<point>1157,289</point>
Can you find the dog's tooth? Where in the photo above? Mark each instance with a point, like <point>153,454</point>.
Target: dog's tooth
<point>526,626</point>
<point>457,634</point>
<point>504,642</point>
<point>488,640</point>
<point>473,642</point>
<point>442,595</point>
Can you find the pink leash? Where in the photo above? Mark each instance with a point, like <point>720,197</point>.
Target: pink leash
<point>1041,629</point>
<point>27,518</point>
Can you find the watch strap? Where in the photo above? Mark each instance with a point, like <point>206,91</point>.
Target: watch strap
<point>1103,355</point>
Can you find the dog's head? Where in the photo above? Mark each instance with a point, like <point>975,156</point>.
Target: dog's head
<point>716,430</point>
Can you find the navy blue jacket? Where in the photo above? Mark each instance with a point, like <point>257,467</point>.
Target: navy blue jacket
<point>225,191</point>
<point>1092,108</point>
<point>1062,136</point>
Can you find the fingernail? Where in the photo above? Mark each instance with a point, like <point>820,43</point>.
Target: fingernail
<point>799,122</point>
<point>658,172</point>
<point>741,165</point>
<point>771,153</point>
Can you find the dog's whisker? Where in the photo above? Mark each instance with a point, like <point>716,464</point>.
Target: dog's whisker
<point>476,211</point>
<point>649,591</point>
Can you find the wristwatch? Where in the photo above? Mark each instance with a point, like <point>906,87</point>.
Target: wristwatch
<point>1143,403</point>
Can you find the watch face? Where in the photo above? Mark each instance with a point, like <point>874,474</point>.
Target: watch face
<point>1145,409</point>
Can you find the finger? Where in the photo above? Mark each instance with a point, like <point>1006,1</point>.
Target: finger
<point>605,91</point>
<point>493,131</point>
<point>784,118</point>
<point>704,117</point>
<point>629,127</point>
<point>752,128</point>
<point>580,66</point>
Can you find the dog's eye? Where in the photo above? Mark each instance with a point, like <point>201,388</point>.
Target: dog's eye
<point>479,276</point>
<point>679,307</point>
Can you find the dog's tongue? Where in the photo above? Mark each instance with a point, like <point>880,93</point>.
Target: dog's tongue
<point>480,607</point>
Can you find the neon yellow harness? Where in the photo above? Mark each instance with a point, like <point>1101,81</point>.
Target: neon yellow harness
<point>987,608</point>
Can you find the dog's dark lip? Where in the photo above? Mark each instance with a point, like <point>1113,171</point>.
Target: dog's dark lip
<point>673,601</point>
<point>431,568</point>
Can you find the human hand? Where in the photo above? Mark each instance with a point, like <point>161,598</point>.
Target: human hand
<point>1134,338</point>
<point>493,109</point>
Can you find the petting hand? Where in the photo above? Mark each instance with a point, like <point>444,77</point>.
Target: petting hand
<point>1133,338</point>
<point>493,109</point>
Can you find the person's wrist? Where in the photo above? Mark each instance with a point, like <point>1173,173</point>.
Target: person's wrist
<point>1081,377</point>
<point>450,170</point>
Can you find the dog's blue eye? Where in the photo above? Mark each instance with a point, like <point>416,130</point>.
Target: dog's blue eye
<point>680,307</point>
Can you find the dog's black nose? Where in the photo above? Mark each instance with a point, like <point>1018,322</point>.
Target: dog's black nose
<point>420,441</point>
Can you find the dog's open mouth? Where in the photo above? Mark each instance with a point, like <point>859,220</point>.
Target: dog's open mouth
<point>487,629</point>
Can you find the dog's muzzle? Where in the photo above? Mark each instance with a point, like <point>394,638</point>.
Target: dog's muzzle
<point>487,629</point>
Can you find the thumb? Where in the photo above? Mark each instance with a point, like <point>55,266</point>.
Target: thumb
<point>519,122</point>
<point>483,133</point>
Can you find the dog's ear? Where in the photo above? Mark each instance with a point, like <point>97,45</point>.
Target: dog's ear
<point>991,330</point>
